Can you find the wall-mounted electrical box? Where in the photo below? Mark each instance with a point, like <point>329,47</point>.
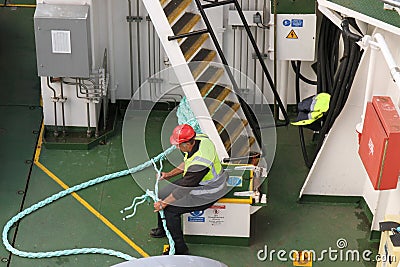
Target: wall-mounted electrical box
<point>62,36</point>
<point>380,143</point>
<point>295,36</point>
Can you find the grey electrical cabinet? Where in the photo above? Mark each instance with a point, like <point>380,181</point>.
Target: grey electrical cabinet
<point>62,36</point>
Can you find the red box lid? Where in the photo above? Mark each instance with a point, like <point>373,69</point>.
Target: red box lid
<point>387,113</point>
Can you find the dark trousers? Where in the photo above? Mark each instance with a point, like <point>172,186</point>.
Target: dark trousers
<point>174,224</point>
<point>173,218</point>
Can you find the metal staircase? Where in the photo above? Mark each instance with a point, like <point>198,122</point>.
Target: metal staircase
<point>221,113</point>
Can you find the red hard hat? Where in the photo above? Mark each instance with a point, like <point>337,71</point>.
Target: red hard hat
<point>182,133</point>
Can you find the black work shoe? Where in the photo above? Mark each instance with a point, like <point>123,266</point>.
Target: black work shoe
<point>157,232</point>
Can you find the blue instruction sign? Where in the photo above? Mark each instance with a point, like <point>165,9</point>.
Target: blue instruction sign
<point>235,181</point>
<point>286,22</point>
<point>297,23</point>
<point>196,216</point>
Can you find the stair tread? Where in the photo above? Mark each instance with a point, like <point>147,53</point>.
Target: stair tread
<point>209,74</point>
<point>174,8</point>
<point>208,79</point>
<point>226,111</point>
<point>216,96</point>
<point>200,61</point>
<point>219,91</point>
<point>234,124</point>
<point>232,131</point>
<point>203,54</point>
<point>231,124</point>
<point>241,147</point>
<point>185,23</point>
<point>192,43</point>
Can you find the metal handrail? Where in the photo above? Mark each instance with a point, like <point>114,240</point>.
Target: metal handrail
<point>246,110</point>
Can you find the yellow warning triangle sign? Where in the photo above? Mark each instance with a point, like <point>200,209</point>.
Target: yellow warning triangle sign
<point>292,35</point>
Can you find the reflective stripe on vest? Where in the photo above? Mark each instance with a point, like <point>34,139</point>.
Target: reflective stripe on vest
<point>209,190</point>
<point>212,167</point>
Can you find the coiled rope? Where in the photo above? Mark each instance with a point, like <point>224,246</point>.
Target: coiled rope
<point>68,191</point>
<point>185,115</point>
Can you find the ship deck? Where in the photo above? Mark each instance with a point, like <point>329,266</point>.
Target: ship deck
<point>92,218</point>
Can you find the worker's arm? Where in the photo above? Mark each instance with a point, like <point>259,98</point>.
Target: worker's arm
<point>168,175</point>
<point>191,179</point>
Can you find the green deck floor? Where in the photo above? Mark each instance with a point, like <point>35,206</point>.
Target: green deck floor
<point>283,224</point>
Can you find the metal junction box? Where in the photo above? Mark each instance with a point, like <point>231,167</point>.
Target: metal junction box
<point>62,35</point>
<point>380,143</point>
<point>295,36</point>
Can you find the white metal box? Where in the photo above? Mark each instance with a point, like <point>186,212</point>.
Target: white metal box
<point>295,36</point>
<point>221,219</point>
<point>62,36</point>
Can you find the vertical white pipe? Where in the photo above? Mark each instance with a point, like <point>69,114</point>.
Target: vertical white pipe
<point>92,35</point>
<point>283,84</point>
<point>368,86</point>
<point>111,58</point>
<point>394,69</point>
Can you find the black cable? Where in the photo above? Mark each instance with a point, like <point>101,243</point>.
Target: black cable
<point>263,26</point>
<point>353,23</point>
<point>297,79</point>
<point>348,33</point>
<point>301,132</point>
<point>342,83</point>
<point>332,77</point>
<point>304,79</point>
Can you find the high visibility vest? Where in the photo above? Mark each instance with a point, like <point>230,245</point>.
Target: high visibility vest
<point>312,108</point>
<point>206,156</point>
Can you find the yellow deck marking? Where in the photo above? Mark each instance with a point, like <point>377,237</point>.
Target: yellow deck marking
<point>17,5</point>
<point>82,201</point>
<point>39,145</point>
<point>292,35</point>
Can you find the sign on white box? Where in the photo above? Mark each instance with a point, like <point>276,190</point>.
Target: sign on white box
<point>221,219</point>
<point>295,37</point>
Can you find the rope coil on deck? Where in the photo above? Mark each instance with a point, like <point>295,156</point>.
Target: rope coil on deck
<point>185,115</point>
<point>62,194</point>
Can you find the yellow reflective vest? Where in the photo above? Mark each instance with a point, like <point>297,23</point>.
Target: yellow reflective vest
<point>206,156</point>
<point>316,109</point>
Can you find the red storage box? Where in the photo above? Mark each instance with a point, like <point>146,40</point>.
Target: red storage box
<point>380,143</point>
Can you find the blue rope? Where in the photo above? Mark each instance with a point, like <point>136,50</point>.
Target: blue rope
<point>186,115</point>
<point>63,193</point>
<point>153,195</point>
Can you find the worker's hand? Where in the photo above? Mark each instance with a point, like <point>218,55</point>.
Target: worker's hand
<point>159,205</point>
<point>163,176</point>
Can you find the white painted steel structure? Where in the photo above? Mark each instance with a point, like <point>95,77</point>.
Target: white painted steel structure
<point>338,170</point>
